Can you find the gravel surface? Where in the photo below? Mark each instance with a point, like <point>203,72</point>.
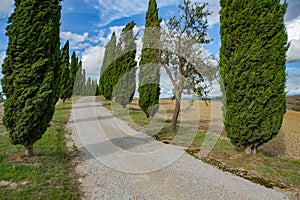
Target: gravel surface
<point>117,162</point>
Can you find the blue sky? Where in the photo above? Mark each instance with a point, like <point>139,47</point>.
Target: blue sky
<point>88,24</point>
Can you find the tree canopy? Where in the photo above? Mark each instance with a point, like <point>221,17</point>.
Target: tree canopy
<point>252,67</point>
<point>109,56</point>
<point>121,69</point>
<point>183,56</point>
<point>31,70</point>
<point>149,74</point>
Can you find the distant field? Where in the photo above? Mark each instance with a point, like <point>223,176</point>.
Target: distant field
<point>291,101</point>
<point>285,144</point>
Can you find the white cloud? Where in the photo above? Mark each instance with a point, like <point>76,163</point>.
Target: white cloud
<point>98,38</point>
<point>2,56</point>
<point>74,36</point>
<point>6,8</point>
<point>92,60</point>
<point>98,57</point>
<point>116,9</point>
<point>293,83</point>
<point>70,8</point>
<point>77,41</point>
<point>214,7</point>
<point>103,39</point>
<point>293,30</point>
<point>295,91</point>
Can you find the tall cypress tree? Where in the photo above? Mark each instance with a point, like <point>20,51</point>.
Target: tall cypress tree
<point>149,75</point>
<point>108,58</point>
<point>88,87</point>
<point>79,80</point>
<point>123,62</point>
<point>252,67</point>
<point>65,71</point>
<point>74,67</point>
<point>91,87</point>
<point>125,88</point>
<point>83,82</point>
<point>31,70</point>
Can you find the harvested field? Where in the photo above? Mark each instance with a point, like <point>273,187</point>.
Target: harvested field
<point>199,117</point>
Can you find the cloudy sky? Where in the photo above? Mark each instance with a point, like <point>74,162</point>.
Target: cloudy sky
<point>88,24</point>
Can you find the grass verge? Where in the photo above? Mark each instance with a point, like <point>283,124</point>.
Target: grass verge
<point>46,175</point>
<point>270,171</point>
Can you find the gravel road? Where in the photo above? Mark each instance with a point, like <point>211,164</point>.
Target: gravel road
<point>116,162</point>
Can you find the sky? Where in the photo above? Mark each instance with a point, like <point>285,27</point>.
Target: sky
<point>88,25</point>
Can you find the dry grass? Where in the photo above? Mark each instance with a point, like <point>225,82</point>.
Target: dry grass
<point>199,116</point>
<point>287,141</point>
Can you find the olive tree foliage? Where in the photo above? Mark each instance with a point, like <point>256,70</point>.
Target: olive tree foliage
<point>183,57</point>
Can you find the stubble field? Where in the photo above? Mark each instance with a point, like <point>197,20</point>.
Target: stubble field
<point>206,115</point>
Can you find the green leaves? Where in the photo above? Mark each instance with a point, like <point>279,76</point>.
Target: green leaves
<point>252,67</point>
<point>65,71</point>
<point>108,58</point>
<point>31,69</point>
<point>149,75</point>
<point>118,78</point>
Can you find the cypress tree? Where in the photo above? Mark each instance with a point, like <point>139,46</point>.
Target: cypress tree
<point>74,67</point>
<point>108,58</point>
<point>83,83</point>
<point>31,70</point>
<point>121,64</point>
<point>149,75</point>
<point>252,67</point>
<point>125,88</point>
<point>79,83</point>
<point>88,87</point>
<point>65,71</point>
<point>91,87</point>
<point>96,88</point>
<point>110,78</point>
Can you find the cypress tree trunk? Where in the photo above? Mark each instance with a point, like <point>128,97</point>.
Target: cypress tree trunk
<point>249,149</point>
<point>29,150</point>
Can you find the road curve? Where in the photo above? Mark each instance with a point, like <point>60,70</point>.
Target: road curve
<point>118,162</point>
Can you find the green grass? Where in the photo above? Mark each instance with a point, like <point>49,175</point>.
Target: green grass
<point>260,168</point>
<point>46,175</point>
